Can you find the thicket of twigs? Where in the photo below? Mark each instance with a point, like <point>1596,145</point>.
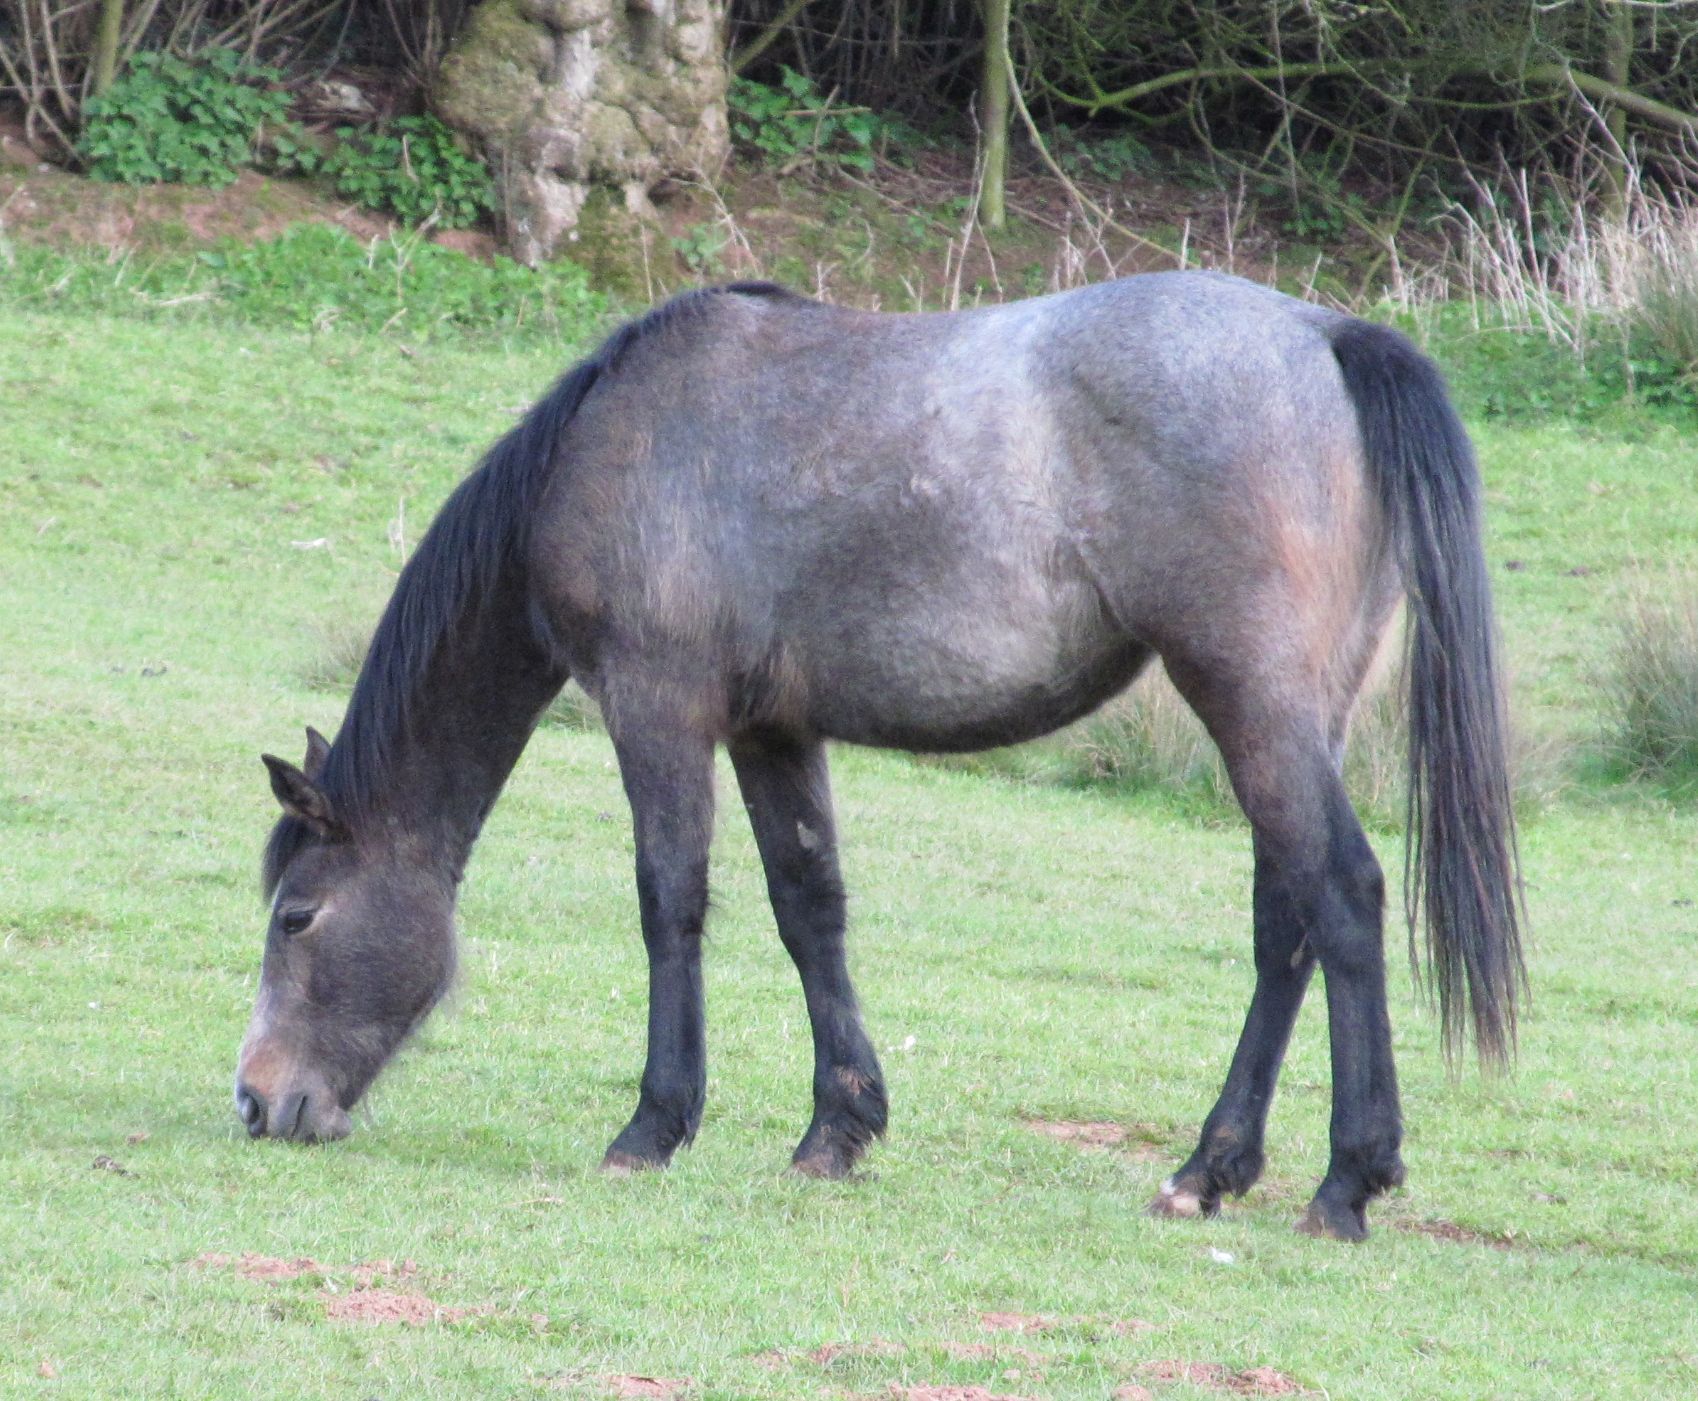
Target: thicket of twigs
<point>1419,78</point>
<point>55,54</point>
<point>1385,89</point>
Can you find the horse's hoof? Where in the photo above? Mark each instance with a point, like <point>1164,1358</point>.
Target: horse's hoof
<point>829,1151</point>
<point>1329,1223</point>
<point>822,1163</point>
<point>621,1164</point>
<point>1178,1203</point>
<point>826,1155</point>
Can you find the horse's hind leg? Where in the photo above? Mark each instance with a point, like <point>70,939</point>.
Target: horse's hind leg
<point>667,768</point>
<point>787,791</point>
<point>1319,896</point>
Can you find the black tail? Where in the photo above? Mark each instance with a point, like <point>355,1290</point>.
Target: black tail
<point>1460,840</point>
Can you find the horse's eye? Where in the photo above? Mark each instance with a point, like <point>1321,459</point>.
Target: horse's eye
<point>296,920</point>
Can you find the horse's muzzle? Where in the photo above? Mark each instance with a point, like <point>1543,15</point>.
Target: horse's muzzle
<point>296,1115</point>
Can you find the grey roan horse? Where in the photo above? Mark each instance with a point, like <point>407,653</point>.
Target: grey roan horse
<point>753,519</point>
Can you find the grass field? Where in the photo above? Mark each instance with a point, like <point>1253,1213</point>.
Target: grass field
<point>188,512</point>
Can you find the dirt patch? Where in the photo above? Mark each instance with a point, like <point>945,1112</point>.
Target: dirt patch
<point>1142,1143</point>
<point>373,1270</point>
<point>993,1352</point>
<point>1017,1322</point>
<point>261,1267</point>
<point>1095,1133</point>
<point>384,1306</point>
<point>1440,1229</point>
<point>271,1269</point>
<point>628,1386</point>
<point>632,1386</point>
<point>827,1353</point>
<point>1214,1376</point>
<point>951,1393</point>
<point>366,1302</point>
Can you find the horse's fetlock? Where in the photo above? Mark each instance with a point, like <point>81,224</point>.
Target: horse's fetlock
<point>1375,1163</point>
<point>1235,1173</point>
<point>856,1094</point>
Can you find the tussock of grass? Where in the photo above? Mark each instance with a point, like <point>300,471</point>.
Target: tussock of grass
<point>336,662</point>
<point>1666,310</point>
<point>1147,738</point>
<point>574,710</point>
<point>1652,684</point>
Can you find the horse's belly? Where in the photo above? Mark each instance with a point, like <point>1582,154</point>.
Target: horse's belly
<point>943,678</point>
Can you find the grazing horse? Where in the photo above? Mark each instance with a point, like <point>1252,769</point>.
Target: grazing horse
<point>756,520</point>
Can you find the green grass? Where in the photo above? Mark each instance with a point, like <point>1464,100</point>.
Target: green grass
<point>1022,950</point>
<point>314,277</point>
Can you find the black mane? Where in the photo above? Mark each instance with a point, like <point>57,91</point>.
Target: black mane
<point>481,531</point>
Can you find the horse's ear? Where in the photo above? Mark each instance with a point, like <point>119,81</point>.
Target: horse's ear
<point>302,798</point>
<point>318,754</point>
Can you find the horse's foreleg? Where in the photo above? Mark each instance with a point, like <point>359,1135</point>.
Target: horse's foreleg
<point>668,776</point>
<point>787,791</point>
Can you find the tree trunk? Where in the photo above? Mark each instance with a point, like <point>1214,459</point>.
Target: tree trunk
<point>103,62</point>
<point>565,94</point>
<point>1618,59</point>
<point>993,115</point>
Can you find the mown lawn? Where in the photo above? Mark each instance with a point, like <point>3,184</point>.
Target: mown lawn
<point>189,512</point>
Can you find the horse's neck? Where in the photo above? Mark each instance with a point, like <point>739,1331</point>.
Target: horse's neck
<point>469,722</point>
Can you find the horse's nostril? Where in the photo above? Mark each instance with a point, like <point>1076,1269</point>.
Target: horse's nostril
<point>290,1118</point>
<point>252,1109</point>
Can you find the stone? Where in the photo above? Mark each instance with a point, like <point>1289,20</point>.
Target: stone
<point>565,95</point>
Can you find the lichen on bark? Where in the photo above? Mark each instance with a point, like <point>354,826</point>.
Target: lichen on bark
<point>565,94</point>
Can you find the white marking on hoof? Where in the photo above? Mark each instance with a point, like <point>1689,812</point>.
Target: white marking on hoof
<point>1170,1201</point>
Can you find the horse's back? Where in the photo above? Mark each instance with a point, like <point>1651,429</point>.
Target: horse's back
<point>948,530</point>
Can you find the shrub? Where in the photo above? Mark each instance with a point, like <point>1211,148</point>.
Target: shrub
<point>795,123</point>
<point>1112,156</point>
<point>414,169</point>
<point>168,118</point>
<point>1651,684</point>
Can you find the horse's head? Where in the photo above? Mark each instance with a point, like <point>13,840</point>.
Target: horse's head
<point>359,948</point>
